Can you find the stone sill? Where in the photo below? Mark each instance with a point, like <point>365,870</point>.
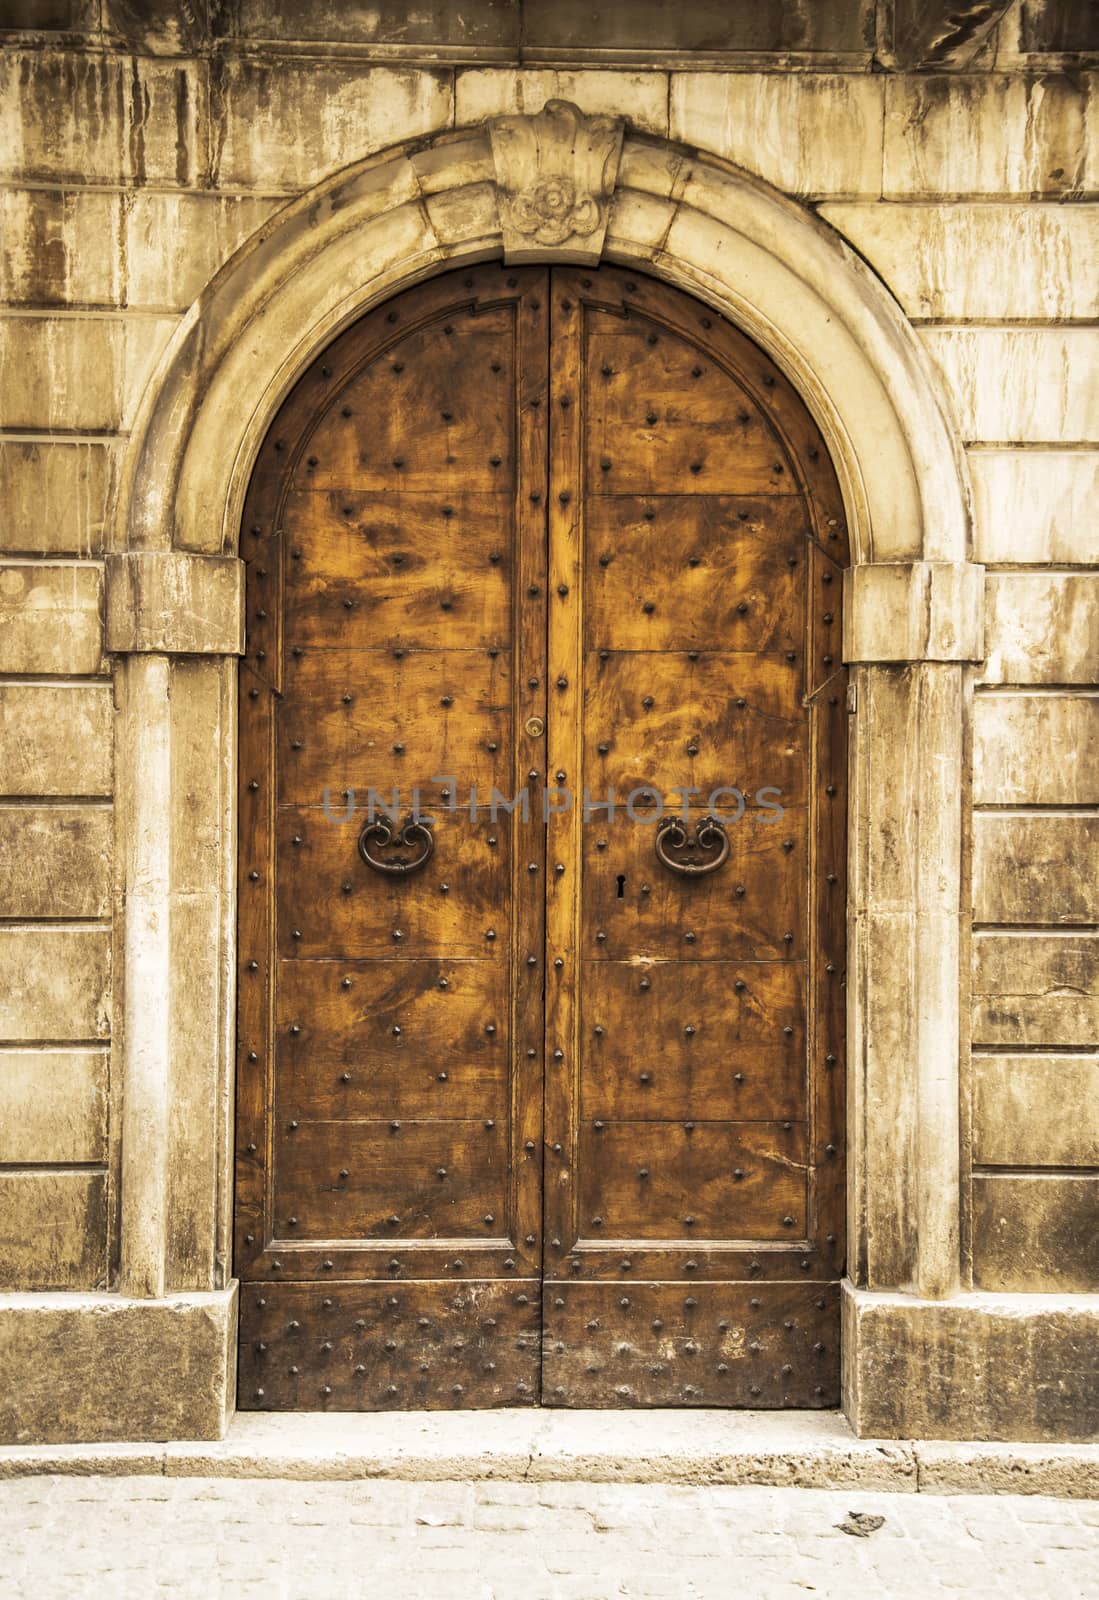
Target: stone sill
<point>807,1450</point>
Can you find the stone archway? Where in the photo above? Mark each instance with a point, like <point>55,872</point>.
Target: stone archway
<point>550,187</point>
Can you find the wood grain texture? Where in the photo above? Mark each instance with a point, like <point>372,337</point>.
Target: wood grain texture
<point>521,528</point>
<point>692,1180</point>
<point>417,1346</point>
<point>714,1039</point>
<point>761,1345</point>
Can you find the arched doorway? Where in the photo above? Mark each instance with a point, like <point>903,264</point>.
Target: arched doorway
<point>555,1113</point>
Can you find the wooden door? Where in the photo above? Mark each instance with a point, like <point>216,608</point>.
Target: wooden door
<point>517,539</point>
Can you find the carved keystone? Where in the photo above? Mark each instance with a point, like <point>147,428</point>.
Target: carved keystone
<point>555,173</point>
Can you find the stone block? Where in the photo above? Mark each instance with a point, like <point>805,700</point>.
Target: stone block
<point>807,133</point>
<point>55,494</point>
<point>56,983</point>
<point>1020,385</point>
<point>640,97</point>
<point>971,262</point>
<point>711,29</point>
<point>1031,868</point>
<point>1036,1110</point>
<point>205,230</point>
<point>78,247</point>
<point>913,611</point>
<point>1035,506</point>
<point>1036,749</point>
<point>468,27</point>
<point>61,247</point>
<point>101,118</point>
<point>70,15</point>
<point>54,1230</point>
<point>1041,628</point>
<point>55,861</point>
<point>979,1366</point>
<point>53,1106</point>
<point>55,739</point>
<point>176,603</point>
<point>51,618</point>
<point>77,373</point>
<point>1036,1233</point>
<point>1035,989</point>
<point>993,134</point>
<point>101,1367</point>
<point>283,125</point>
<point>1071,28</point>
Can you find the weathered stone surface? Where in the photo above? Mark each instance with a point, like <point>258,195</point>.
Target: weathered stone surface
<point>202,707</point>
<point>1020,385</point>
<point>176,603</point>
<point>56,983</point>
<point>651,28</point>
<point>53,1232</point>
<point>60,247</point>
<point>811,1449</point>
<point>1036,749</point>
<point>990,134</point>
<point>77,373</point>
<point>1035,989</point>
<point>807,133</point>
<point>913,611</point>
<point>53,1106</point>
<point>106,1367</point>
<point>1034,505</point>
<point>975,1367</point>
<point>1029,868</point>
<point>640,97</point>
<point>479,27</point>
<point>98,118</point>
<point>1071,27</point>
<point>55,739</point>
<point>55,861</point>
<point>51,618</point>
<point>1041,628</point>
<point>1036,1111</point>
<point>1064,1471</point>
<point>83,247</point>
<point>555,172</point>
<point>973,261</point>
<point>282,125</point>
<point>1035,1233</point>
<point>902,1047</point>
<point>54,493</point>
<point>917,34</point>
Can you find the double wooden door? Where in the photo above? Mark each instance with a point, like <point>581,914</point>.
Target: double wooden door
<point>541,870</point>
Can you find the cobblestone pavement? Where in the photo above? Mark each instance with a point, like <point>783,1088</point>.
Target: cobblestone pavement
<point>100,1537</point>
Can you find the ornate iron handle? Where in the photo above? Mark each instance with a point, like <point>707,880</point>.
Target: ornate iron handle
<point>409,833</point>
<point>709,837</point>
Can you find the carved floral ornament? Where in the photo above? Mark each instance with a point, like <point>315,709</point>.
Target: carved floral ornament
<point>555,173</point>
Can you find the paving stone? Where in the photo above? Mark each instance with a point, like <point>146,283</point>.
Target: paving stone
<point>281,1540</point>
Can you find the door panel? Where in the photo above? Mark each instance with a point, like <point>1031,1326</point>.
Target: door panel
<point>543,1118</point>
<point>753,908</point>
<point>389,1037</point>
<point>685,1123</point>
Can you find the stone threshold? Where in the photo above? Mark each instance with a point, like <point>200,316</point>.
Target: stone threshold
<point>807,1450</point>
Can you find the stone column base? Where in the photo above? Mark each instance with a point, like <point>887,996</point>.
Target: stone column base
<point>85,1368</point>
<point>980,1366</point>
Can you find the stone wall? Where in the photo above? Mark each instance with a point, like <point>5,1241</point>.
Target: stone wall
<point>140,145</point>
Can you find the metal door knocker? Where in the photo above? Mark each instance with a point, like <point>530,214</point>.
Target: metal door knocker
<point>409,834</point>
<point>704,851</point>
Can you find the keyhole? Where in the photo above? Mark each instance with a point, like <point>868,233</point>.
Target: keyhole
<point>621,884</point>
